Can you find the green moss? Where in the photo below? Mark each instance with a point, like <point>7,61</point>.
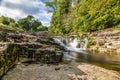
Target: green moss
<point>91,42</point>
<point>7,58</point>
<point>6,27</point>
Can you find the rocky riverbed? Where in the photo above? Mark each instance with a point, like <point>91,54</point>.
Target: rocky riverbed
<point>62,71</point>
<point>41,58</point>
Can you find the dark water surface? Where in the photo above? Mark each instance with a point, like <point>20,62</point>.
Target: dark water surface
<point>111,62</point>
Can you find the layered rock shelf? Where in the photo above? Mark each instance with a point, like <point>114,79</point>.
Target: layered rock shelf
<point>21,47</point>
<point>107,41</point>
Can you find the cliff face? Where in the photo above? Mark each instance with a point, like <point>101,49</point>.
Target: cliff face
<point>106,41</point>
<point>20,47</point>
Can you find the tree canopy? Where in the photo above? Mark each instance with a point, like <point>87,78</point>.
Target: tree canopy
<point>28,23</point>
<point>75,16</point>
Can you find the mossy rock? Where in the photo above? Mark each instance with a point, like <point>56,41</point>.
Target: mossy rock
<point>91,42</point>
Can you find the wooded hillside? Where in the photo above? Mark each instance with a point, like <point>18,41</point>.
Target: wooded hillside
<point>76,16</point>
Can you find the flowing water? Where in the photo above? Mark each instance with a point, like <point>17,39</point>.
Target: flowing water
<point>80,54</point>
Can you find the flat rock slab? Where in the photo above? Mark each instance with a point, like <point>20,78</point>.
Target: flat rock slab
<point>42,72</point>
<point>70,71</point>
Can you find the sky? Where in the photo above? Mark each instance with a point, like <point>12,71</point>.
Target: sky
<point>17,9</point>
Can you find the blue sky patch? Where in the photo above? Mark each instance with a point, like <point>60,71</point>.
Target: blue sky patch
<point>17,9</point>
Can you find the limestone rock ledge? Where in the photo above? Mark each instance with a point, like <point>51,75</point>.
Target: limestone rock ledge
<point>22,46</point>
<point>106,41</point>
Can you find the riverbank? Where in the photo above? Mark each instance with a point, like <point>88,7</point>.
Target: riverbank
<point>32,45</point>
<point>105,41</point>
<point>62,71</point>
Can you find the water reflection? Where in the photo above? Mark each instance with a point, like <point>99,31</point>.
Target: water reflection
<point>111,62</point>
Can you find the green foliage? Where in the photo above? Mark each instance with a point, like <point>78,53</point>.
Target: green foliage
<point>28,23</point>
<point>59,14</point>
<point>6,20</point>
<point>64,6</point>
<point>42,28</point>
<point>91,42</point>
<point>85,16</point>
<point>2,26</point>
<point>52,4</point>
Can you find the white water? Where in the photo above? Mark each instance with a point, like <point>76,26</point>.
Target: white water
<point>67,56</point>
<point>86,43</point>
<point>72,47</point>
<point>59,42</point>
<point>74,43</point>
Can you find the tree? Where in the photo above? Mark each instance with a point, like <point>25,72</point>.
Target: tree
<point>42,28</point>
<point>52,5</point>
<point>59,7</point>
<point>85,16</point>
<point>6,20</point>
<point>29,23</point>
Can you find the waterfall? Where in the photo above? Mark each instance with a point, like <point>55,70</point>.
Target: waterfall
<point>86,43</point>
<point>74,43</point>
<point>72,3</point>
<point>71,46</point>
<point>59,42</point>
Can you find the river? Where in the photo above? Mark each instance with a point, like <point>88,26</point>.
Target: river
<point>108,61</point>
<point>111,62</point>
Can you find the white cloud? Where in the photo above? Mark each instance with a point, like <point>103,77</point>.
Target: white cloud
<point>21,8</point>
